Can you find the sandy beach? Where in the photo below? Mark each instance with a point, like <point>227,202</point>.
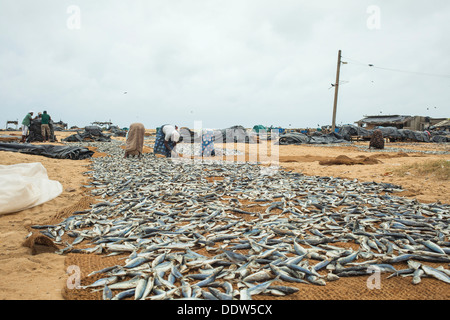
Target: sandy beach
<point>44,276</point>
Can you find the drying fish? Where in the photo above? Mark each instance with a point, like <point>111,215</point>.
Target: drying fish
<point>252,228</point>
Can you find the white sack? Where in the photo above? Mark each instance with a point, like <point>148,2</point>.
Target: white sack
<point>25,185</point>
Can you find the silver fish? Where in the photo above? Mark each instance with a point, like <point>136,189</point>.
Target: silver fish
<point>435,273</point>
<point>250,224</point>
<point>259,276</point>
<point>107,293</point>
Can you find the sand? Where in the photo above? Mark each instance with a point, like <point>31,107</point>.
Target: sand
<point>36,274</point>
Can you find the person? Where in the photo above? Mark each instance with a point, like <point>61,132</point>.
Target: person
<point>208,143</point>
<point>166,140</point>
<point>135,140</point>
<point>26,125</point>
<point>377,140</point>
<point>45,129</point>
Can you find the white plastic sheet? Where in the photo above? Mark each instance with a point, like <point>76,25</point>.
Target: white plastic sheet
<point>25,185</point>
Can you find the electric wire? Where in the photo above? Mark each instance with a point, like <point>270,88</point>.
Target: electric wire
<point>370,65</point>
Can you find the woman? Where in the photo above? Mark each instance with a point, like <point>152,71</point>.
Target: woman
<point>166,140</point>
<point>135,140</point>
<point>208,143</point>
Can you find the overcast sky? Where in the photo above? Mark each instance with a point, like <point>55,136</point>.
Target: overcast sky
<point>225,63</point>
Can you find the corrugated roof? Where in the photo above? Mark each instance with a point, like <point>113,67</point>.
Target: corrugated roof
<point>442,123</point>
<point>385,119</point>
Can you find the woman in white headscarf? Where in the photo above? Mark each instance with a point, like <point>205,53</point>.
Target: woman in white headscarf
<point>166,140</point>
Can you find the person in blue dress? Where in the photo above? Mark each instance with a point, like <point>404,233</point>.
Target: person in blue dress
<point>208,143</point>
<point>166,140</point>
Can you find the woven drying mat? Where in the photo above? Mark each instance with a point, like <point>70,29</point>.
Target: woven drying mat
<point>347,288</point>
<point>85,263</point>
<point>39,243</point>
<point>80,266</point>
<point>351,288</point>
<point>83,204</point>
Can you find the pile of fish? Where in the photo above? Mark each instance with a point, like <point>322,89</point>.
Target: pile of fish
<point>252,230</point>
<point>195,149</point>
<point>399,148</point>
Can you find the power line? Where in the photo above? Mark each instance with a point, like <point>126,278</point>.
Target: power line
<point>370,65</point>
<point>340,83</point>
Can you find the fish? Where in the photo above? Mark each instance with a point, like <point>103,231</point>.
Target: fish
<point>259,276</point>
<point>284,275</point>
<point>158,260</point>
<point>435,273</point>
<point>148,288</point>
<point>347,259</point>
<point>244,294</point>
<point>220,295</point>
<point>208,295</point>
<point>140,288</point>
<point>315,280</point>
<point>102,282</point>
<point>165,295</point>
<point>124,294</point>
<point>304,270</point>
<point>156,214</point>
<point>332,277</point>
<point>210,278</point>
<point>186,289</point>
<point>284,289</point>
<point>136,262</point>
<point>235,257</point>
<point>417,275</point>
<point>107,293</point>
<point>260,288</point>
<point>433,246</point>
<point>127,284</point>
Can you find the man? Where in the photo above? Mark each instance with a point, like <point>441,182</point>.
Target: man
<point>166,140</point>
<point>45,129</point>
<point>135,140</point>
<point>26,125</point>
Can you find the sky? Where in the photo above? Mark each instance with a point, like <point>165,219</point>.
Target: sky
<point>223,63</point>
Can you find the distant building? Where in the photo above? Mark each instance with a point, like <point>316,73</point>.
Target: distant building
<point>16,123</point>
<point>105,125</point>
<point>416,123</point>
<point>442,125</point>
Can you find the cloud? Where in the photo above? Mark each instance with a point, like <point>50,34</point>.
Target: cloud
<point>221,62</point>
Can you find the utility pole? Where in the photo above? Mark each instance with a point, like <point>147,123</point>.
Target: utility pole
<point>336,88</point>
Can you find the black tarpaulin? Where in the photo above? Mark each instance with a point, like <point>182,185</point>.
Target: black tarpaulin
<point>300,138</point>
<point>91,133</point>
<point>48,150</point>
